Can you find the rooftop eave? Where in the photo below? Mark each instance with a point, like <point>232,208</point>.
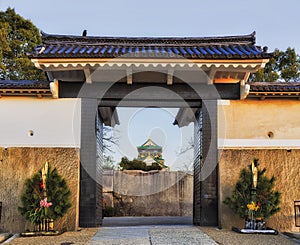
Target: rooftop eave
<point>274,95</point>
<point>27,88</point>
<point>150,147</point>
<point>274,90</point>
<point>51,64</point>
<point>109,116</point>
<point>39,93</point>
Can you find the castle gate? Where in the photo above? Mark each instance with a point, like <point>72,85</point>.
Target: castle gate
<point>193,74</point>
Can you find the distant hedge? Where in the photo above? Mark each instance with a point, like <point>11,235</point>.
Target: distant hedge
<point>136,164</point>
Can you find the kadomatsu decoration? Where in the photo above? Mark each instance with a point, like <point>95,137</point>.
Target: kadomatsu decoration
<point>254,198</point>
<point>45,198</point>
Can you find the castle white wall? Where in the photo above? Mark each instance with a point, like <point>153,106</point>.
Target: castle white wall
<point>259,124</point>
<point>32,122</point>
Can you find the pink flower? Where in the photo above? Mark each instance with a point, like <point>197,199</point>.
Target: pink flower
<point>44,203</point>
<point>49,204</point>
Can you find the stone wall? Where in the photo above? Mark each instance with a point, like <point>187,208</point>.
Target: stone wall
<point>283,164</point>
<point>155,193</point>
<point>19,164</point>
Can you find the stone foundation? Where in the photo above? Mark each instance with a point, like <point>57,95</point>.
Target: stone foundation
<point>283,164</point>
<point>19,164</point>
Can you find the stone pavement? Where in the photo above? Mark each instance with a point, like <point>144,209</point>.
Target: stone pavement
<point>150,230</point>
<point>151,235</point>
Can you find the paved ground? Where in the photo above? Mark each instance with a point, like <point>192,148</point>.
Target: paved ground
<point>143,231</point>
<point>150,230</point>
<point>151,235</point>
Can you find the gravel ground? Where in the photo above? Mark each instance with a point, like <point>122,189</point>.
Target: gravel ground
<point>159,235</point>
<point>228,237</point>
<point>77,237</point>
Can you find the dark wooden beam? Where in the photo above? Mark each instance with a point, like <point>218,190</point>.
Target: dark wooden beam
<point>150,103</point>
<point>149,91</point>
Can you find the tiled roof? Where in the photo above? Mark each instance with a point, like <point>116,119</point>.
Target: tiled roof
<point>24,88</point>
<point>274,90</point>
<point>24,84</point>
<point>230,47</point>
<point>274,87</point>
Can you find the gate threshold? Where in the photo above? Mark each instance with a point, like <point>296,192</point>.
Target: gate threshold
<point>146,220</point>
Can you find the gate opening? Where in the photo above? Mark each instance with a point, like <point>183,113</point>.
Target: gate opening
<point>149,140</point>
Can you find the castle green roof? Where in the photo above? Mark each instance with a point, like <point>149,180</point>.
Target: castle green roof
<point>149,144</point>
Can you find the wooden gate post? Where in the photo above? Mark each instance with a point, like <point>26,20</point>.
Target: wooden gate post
<point>206,165</point>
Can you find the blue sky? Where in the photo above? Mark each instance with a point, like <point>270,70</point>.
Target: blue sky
<point>139,124</point>
<point>276,24</point>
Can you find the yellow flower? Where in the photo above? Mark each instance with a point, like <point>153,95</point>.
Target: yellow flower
<point>252,206</point>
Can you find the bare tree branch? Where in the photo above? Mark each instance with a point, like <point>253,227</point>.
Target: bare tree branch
<point>188,147</point>
<point>110,138</point>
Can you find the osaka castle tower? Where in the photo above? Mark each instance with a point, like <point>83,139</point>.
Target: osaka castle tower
<point>150,152</point>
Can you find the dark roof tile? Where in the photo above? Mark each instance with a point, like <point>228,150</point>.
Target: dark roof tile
<point>62,46</point>
<point>274,87</point>
<point>24,84</point>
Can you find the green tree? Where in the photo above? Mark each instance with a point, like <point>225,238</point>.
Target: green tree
<point>284,66</point>
<point>17,38</point>
<point>108,163</point>
<point>136,164</point>
<point>263,196</point>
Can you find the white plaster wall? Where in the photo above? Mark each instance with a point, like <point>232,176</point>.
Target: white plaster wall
<point>249,123</point>
<point>54,122</point>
